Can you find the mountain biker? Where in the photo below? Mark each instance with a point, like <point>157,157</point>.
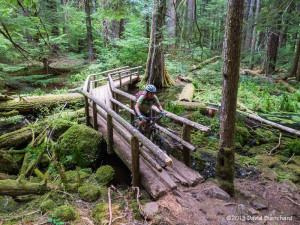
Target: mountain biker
<point>144,104</point>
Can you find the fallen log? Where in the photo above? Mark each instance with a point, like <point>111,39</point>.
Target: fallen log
<point>281,127</point>
<point>191,105</point>
<point>187,93</point>
<point>35,103</point>
<point>4,176</point>
<point>290,88</point>
<point>204,63</point>
<point>16,188</point>
<point>5,98</point>
<point>9,114</point>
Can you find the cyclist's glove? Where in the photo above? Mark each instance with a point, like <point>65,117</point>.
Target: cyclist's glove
<point>141,117</point>
<point>163,112</point>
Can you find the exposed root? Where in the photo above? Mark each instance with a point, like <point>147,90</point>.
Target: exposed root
<point>276,145</point>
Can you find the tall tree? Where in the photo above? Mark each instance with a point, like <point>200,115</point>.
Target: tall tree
<point>250,26</point>
<point>231,70</point>
<point>296,60</point>
<point>271,51</point>
<point>253,43</point>
<point>156,71</point>
<point>89,29</point>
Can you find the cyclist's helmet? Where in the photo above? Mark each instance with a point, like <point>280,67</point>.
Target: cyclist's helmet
<point>150,88</point>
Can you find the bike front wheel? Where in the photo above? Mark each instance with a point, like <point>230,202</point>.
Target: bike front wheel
<point>161,143</point>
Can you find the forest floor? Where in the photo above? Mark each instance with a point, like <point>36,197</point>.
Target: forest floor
<point>267,186</point>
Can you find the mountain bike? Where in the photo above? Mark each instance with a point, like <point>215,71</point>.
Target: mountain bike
<point>151,131</point>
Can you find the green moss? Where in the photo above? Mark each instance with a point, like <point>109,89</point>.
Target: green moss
<point>265,136</point>
<point>99,212</point>
<point>296,160</point>
<point>242,135</point>
<point>79,145</point>
<point>136,211</point>
<point>7,204</point>
<point>294,168</point>
<point>64,213</point>
<point>105,175</point>
<point>47,205</point>
<point>71,176</point>
<point>89,193</point>
<point>61,127</point>
<point>282,158</point>
<point>269,161</point>
<point>8,164</point>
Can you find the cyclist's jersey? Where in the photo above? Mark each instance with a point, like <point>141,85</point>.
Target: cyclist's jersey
<point>146,105</point>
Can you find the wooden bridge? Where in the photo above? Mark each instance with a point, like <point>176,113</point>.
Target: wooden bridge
<point>102,113</point>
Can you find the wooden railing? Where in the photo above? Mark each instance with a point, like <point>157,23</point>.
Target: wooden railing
<point>125,129</point>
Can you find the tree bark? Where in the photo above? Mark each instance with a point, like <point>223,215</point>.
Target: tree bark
<point>156,72</point>
<point>89,29</point>
<point>294,67</point>
<point>250,27</point>
<point>253,43</point>
<point>298,72</point>
<point>232,52</point>
<point>171,22</point>
<point>271,52</point>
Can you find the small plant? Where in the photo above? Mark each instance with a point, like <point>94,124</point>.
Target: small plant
<point>293,148</point>
<point>55,221</point>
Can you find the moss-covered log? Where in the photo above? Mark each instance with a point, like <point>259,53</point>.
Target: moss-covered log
<point>16,188</point>
<point>5,98</point>
<point>204,63</point>
<point>22,137</point>
<point>290,88</point>
<point>35,103</point>
<point>187,93</point>
<point>9,114</point>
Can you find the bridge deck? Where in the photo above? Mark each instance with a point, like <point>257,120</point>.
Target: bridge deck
<point>156,183</point>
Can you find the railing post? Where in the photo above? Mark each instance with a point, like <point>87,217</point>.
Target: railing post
<point>110,137</point>
<point>135,161</point>
<point>132,104</point>
<point>120,79</point>
<point>116,106</point>
<point>95,116</point>
<point>86,106</point>
<point>138,74</point>
<point>130,77</point>
<point>186,135</point>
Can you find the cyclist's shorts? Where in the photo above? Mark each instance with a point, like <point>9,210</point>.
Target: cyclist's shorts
<point>143,114</point>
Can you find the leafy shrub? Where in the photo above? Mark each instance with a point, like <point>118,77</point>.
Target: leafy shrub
<point>293,147</point>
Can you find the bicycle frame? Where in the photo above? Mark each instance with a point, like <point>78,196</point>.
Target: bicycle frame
<point>151,121</point>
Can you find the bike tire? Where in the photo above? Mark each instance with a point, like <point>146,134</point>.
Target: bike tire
<point>161,143</point>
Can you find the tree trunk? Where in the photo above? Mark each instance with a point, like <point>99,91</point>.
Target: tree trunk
<point>171,22</point>
<point>298,72</point>
<point>89,29</point>
<point>147,22</point>
<point>106,31</point>
<point>115,29</point>
<point>294,67</point>
<point>156,72</point>
<point>231,67</point>
<point>271,52</point>
<point>249,27</point>
<point>35,103</point>
<point>122,28</point>
<point>254,36</point>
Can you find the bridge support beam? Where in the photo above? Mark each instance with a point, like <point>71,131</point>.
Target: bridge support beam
<point>95,116</point>
<point>186,135</point>
<point>110,137</point>
<point>135,161</point>
<point>86,106</point>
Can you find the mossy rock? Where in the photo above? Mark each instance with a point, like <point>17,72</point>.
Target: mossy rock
<point>89,193</point>
<point>47,206</point>
<point>268,173</point>
<point>8,164</point>
<point>79,146</point>
<point>260,149</point>
<point>269,161</point>
<point>7,204</point>
<point>105,175</point>
<point>64,213</point>
<point>265,136</point>
<point>61,127</point>
<point>71,176</point>
<point>289,184</point>
<point>99,212</point>
<point>294,168</point>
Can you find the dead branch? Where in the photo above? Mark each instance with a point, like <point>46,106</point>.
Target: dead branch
<point>109,206</point>
<point>276,145</point>
<point>292,201</point>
